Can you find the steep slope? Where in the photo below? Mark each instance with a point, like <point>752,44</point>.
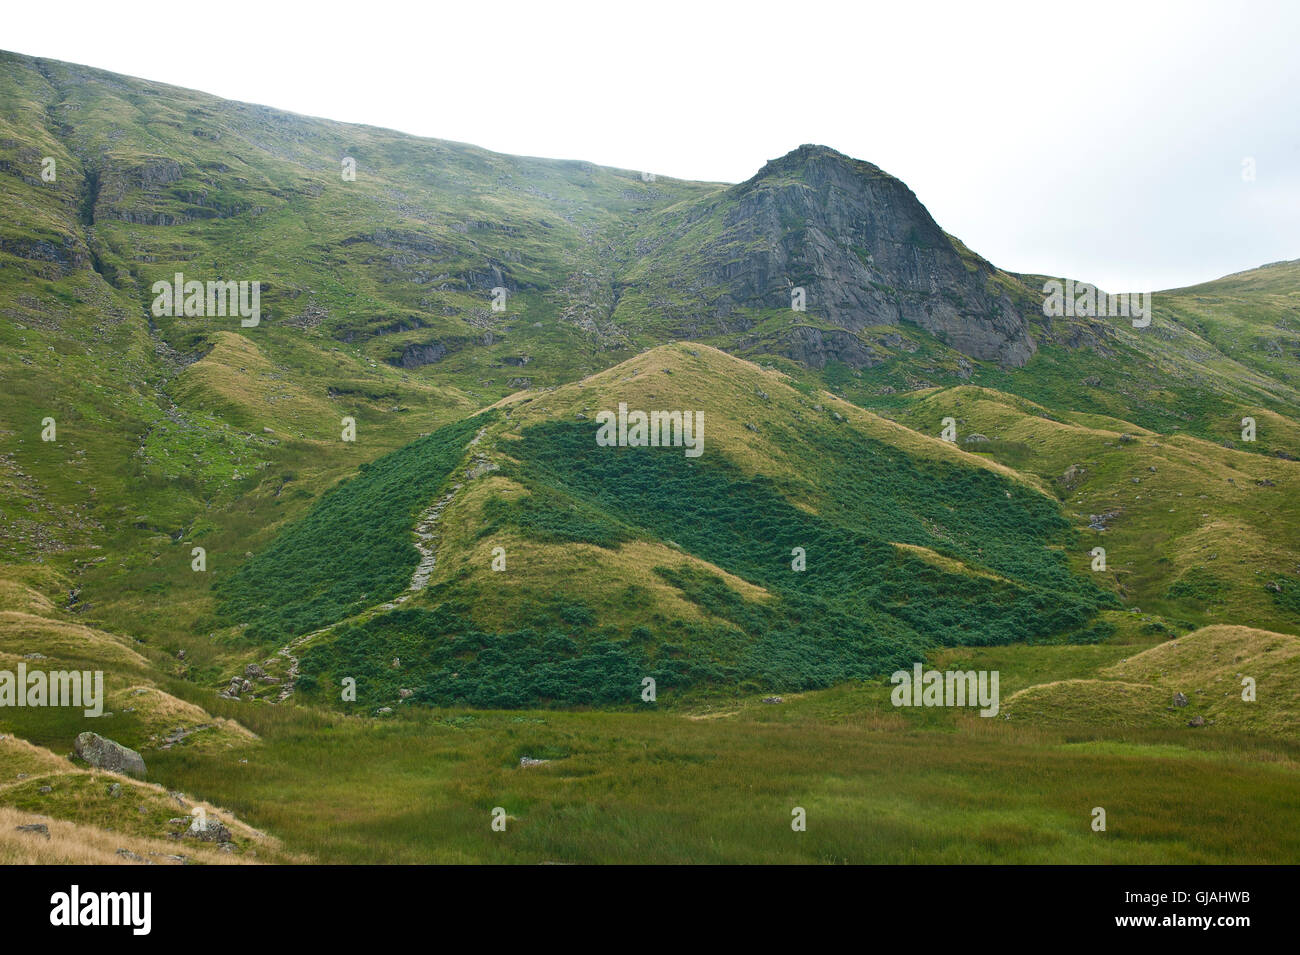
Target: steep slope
<point>807,543</point>
<point>178,432</point>
<point>1191,529</point>
<point>847,241</point>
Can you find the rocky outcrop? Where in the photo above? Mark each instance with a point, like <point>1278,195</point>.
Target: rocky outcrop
<point>860,245</point>
<point>416,355</point>
<point>814,347</point>
<point>105,754</point>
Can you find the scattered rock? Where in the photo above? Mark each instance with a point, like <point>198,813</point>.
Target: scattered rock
<point>115,791</point>
<point>105,754</point>
<point>773,699</point>
<point>211,831</point>
<point>405,693</point>
<point>526,761</point>
<point>1196,721</point>
<point>1180,699</point>
<point>1097,522</point>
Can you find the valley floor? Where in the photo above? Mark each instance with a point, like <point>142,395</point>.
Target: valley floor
<point>722,786</point>
<point>718,782</point>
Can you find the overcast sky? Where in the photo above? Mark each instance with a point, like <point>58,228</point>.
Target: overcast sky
<point>1107,143</point>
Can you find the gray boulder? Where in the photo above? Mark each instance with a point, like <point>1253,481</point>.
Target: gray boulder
<point>105,754</point>
<point>212,831</point>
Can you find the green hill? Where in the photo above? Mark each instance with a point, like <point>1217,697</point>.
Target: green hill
<point>391,482</point>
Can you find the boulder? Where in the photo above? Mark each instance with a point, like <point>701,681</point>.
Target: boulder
<point>105,754</point>
<point>211,831</point>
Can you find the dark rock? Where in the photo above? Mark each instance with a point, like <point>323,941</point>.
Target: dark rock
<point>864,249</point>
<point>417,355</point>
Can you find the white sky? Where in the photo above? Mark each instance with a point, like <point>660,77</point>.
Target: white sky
<point>1105,143</point>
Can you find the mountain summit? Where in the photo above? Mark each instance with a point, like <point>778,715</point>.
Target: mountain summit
<point>862,249</point>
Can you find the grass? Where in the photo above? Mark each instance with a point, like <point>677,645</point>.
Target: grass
<point>658,787</point>
<point>352,551</point>
<point>174,433</point>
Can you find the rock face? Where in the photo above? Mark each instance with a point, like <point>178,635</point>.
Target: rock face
<point>417,355</point>
<point>106,754</point>
<point>863,248</point>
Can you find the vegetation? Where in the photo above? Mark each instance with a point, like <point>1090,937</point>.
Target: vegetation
<point>175,433</point>
<point>353,550</point>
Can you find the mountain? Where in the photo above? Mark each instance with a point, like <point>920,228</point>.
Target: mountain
<point>858,242</point>
<point>392,476</point>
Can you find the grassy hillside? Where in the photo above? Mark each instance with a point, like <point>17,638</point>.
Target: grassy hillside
<point>904,551</point>
<point>396,486</point>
